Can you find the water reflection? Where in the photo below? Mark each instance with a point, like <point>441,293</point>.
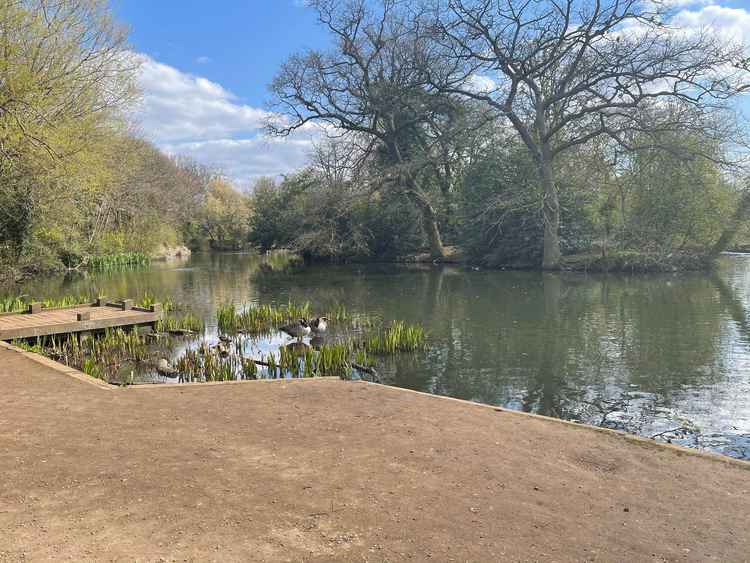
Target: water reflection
<point>645,353</point>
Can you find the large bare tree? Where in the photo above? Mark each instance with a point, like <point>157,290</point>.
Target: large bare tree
<point>374,85</point>
<point>564,72</point>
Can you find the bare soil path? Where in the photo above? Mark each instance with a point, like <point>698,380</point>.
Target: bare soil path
<point>327,470</point>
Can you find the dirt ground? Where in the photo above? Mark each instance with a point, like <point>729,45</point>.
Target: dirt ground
<point>327,470</point>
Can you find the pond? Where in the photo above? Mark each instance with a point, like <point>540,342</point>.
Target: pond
<point>665,355</point>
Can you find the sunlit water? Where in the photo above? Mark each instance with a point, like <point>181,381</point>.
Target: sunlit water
<point>644,353</point>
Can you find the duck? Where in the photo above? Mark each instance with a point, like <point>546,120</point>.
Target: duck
<point>319,325</point>
<point>298,329</point>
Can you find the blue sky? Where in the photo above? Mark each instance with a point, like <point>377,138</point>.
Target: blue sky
<point>206,66</point>
<point>236,43</point>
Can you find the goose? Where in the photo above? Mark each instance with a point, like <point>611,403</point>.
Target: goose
<point>319,325</point>
<point>298,330</point>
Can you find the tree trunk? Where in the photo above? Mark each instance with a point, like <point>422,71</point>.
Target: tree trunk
<point>550,215</point>
<point>730,231</point>
<point>429,219</point>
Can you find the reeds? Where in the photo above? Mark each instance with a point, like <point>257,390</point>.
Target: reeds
<point>100,356</point>
<point>19,303</point>
<point>210,366</point>
<point>258,319</point>
<point>119,261</point>
<point>398,337</point>
<point>187,323</point>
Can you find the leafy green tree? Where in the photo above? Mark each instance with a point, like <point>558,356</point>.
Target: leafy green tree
<point>225,216</point>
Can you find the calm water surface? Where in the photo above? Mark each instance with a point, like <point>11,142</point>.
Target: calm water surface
<point>648,354</point>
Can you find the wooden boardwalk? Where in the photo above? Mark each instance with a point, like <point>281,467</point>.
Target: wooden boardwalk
<point>81,318</point>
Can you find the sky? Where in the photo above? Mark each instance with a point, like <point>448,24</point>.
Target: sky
<point>206,66</point>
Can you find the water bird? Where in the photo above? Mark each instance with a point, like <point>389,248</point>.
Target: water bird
<point>222,348</point>
<point>225,339</point>
<point>298,329</point>
<point>319,325</point>
<point>163,367</point>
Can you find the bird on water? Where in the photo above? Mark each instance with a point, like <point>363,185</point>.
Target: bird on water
<point>298,329</point>
<point>319,325</point>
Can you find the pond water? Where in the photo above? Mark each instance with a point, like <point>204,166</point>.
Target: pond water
<point>650,354</point>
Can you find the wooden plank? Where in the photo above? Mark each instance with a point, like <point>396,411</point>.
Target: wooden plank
<point>70,324</point>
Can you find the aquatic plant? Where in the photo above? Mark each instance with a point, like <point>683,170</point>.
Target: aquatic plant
<point>249,369</point>
<point>260,318</point>
<point>99,356</point>
<point>18,304</point>
<point>398,337</point>
<point>119,261</point>
<point>334,360</point>
<point>182,324</point>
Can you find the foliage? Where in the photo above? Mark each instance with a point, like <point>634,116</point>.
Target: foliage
<point>327,219</point>
<point>224,218</point>
<point>675,201</point>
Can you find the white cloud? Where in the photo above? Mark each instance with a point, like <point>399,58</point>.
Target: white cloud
<point>178,106</point>
<point>480,84</point>
<point>191,115</point>
<point>204,60</point>
<point>245,159</point>
<point>731,23</point>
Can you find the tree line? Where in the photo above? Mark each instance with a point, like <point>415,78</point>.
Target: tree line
<point>76,180</point>
<point>506,133</point>
<point>518,132</point>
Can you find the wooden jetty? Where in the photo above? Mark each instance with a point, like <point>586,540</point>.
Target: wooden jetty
<point>38,321</point>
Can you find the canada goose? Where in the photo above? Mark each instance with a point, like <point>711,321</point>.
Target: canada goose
<point>298,329</point>
<point>319,325</point>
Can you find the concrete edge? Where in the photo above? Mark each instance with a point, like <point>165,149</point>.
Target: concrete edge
<point>634,438</point>
<point>58,367</point>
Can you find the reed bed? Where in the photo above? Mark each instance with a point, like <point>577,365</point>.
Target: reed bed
<point>18,304</point>
<point>186,323</point>
<point>209,366</point>
<point>357,340</point>
<point>119,261</point>
<point>100,357</point>
<point>398,337</point>
<point>258,319</point>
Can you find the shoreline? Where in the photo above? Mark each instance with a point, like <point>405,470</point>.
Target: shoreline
<point>101,384</point>
<point>617,263</point>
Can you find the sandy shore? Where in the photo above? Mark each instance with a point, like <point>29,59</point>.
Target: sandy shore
<point>327,470</point>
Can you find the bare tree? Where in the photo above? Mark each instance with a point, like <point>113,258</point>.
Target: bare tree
<point>374,85</point>
<point>564,72</point>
